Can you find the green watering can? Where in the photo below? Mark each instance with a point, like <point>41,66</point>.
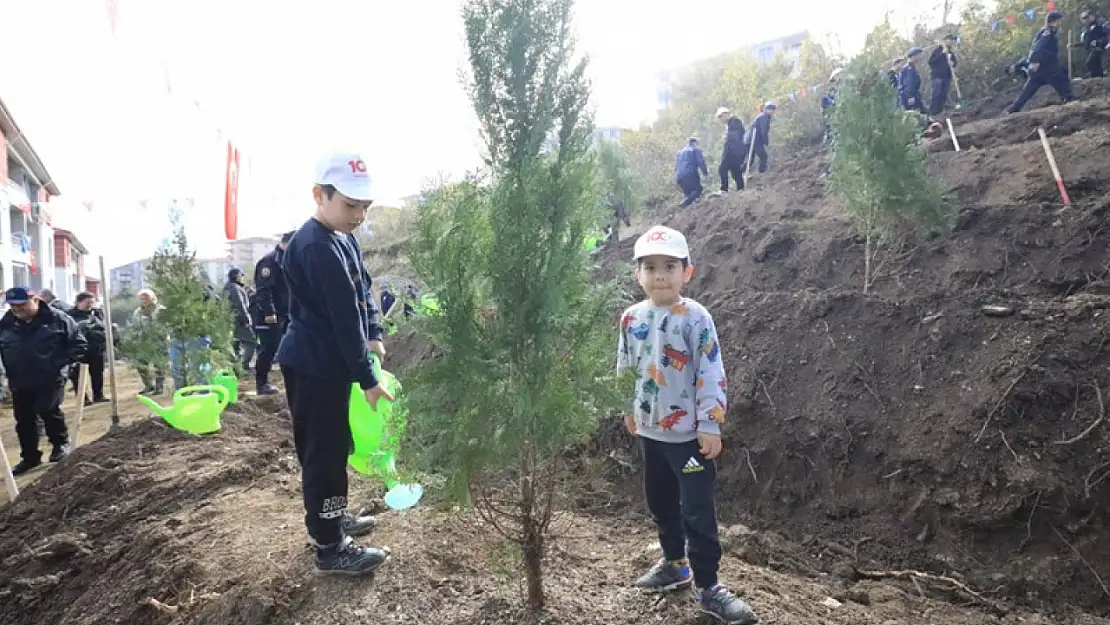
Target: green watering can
<point>195,409</point>
<point>428,305</point>
<point>376,434</point>
<point>227,379</point>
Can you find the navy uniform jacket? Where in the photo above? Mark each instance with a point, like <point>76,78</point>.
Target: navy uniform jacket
<point>1045,50</point>
<point>271,297</point>
<point>909,86</point>
<point>331,312</point>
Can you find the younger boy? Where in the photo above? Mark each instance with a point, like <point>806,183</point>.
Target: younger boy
<point>680,402</point>
<point>333,329</point>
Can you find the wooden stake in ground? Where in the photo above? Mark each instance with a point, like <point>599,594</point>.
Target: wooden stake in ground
<point>9,479</point>
<point>952,132</point>
<point>110,333</point>
<point>82,388</point>
<point>1055,169</point>
<point>751,154</point>
<point>1069,55</point>
<point>955,83</point>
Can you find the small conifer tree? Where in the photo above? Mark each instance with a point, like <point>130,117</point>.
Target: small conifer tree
<point>527,343</point>
<point>879,168</point>
<point>193,325</point>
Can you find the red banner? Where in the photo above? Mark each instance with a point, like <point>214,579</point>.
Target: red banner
<point>231,194</point>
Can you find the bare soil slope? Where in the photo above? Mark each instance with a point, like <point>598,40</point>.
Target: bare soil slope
<point>913,427</point>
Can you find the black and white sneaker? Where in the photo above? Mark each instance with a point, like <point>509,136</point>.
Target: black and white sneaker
<point>59,453</point>
<point>357,525</point>
<point>349,558</point>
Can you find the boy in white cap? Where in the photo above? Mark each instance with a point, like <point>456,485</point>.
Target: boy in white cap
<point>680,402</point>
<point>333,330</point>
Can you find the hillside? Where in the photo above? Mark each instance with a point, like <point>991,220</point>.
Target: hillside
<point>868,435</point>
<point>913,425</point>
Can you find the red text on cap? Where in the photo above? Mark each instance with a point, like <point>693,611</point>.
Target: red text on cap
<point>658,235</point>
<point>357,167</point>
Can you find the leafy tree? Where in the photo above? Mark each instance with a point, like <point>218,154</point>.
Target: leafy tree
<point>526,341</point>
<point>617,179</point>
<point>879,168</point>
<point>197,328</point>
<point>881,45</point>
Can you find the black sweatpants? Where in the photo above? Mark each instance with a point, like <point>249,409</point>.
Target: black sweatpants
<point>734,167</point>
<point>1094,63</point>
<point>678,485</point>
<point>96,362</point>
<point>1055,76</point>
<point>322,437</point>
<point>269,337</point>
<point>939,97</point>
<point>29,405</point>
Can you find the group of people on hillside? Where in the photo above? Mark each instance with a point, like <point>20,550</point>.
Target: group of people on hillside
<point>42,344</point>
<point>738,150</point>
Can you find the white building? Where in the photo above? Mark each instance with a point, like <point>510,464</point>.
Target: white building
<point>244,253</point>
<point>26,233</point>
<point>70,271</point>
<point>215,269</point>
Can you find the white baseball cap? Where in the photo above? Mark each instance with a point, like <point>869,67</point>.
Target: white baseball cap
<point>346,171</point>
<point>723,111</point>
<point>661,241</point>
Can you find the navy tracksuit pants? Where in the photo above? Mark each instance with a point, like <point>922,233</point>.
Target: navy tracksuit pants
<point>678,486</point>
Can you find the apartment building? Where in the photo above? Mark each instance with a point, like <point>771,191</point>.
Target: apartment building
<point>69,265</point>
<point>27,251</point>
<point>130,277</point>
<point>244,253</point>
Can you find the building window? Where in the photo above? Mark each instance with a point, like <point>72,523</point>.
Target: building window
<point>766,53</point>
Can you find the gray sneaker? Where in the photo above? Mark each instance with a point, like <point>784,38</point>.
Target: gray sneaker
<point>726,607</point>
<point>666,576</point>
<point>349,558</point>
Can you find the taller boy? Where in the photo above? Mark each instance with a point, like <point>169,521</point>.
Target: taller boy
<point>333,330</point>
<point>680,402</point>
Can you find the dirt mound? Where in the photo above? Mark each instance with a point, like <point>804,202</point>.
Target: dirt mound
<point>150,526</point>
<point>952,420</point>
<point>134,519</point>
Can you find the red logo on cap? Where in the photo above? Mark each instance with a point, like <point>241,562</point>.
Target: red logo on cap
<point>658,235</point>
<point>357,167</point>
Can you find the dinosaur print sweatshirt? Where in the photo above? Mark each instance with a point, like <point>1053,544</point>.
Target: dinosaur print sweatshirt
<point>680,379</point>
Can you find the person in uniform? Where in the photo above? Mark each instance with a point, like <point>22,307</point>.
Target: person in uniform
<point>271,312</point>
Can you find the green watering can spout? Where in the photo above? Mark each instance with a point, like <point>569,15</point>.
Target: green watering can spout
<point>154,406</point>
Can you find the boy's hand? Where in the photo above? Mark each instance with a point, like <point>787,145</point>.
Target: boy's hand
<point>375,393</point>
<point>710,445</point>
<point>377,347</point>
<point>630,423</point>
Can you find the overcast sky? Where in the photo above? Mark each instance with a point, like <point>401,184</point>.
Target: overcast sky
<point>287,83</point>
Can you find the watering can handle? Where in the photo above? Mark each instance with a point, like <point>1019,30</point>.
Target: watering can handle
<point>221,392</point>
<point>376,366</point>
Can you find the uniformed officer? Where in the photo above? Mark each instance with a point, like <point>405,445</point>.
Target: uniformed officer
<point>271,311</point>
<point>1044,64</point>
